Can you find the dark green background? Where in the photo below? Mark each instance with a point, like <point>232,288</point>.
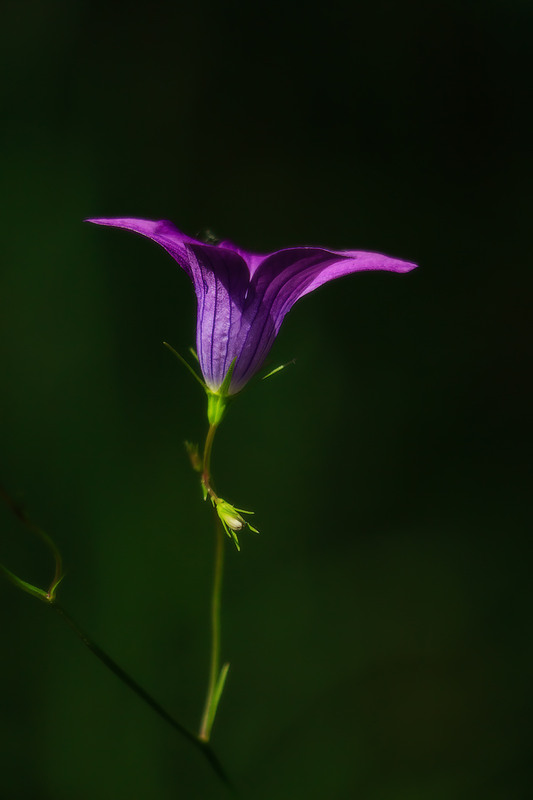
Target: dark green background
<point>379,629</point>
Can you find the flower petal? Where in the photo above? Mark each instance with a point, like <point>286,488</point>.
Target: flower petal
<point>161,231</point>
<point>279,281</point>
<point>221,282</point>
<point>243,297</point>
<point>220,277</point>
<point>252,260</point>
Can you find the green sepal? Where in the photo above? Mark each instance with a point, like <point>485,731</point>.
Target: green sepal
<point>224,389</point>
<point>231,519</point>
<point>278,369</point>
<point>230,533</point>
<point>187,365</point>
<point>193,352</point>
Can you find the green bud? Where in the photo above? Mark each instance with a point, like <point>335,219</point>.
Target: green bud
<point>230,516</point>
<point>232,520</point>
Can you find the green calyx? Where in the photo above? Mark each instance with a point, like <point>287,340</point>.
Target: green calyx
<point>231,519</point>
<point>216,407</point>
<point>217,402</point>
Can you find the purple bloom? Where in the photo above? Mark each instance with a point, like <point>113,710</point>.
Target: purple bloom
<point>243,297</point>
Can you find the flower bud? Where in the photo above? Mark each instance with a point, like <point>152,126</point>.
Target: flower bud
<point>231,519</point>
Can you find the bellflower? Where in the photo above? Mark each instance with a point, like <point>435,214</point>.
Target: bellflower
<point>243,297</point>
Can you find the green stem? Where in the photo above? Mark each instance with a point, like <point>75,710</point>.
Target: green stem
<point>201,744</point>
<point>217,676</point>
<point>215,685</point>
<point>206,474</point>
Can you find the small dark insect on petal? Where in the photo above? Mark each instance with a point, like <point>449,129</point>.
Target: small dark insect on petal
<point>207,236</point>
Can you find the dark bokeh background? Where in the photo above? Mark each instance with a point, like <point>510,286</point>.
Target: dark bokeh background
<point>379,628</point>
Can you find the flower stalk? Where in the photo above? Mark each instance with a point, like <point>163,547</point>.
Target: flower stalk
<point>227,519</point>
<point>206,471</point>
<point>217,676</point>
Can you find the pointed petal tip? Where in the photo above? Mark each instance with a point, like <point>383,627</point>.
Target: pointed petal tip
<point>407,266</point>
<point>117,221</point>
<point>114,222</point>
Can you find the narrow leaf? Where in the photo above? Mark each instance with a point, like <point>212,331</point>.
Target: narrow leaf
<point>186,364</point>
<point>19,512</point>
<point>24,585</point>
<point>278,369</point>
<point>219,688</point>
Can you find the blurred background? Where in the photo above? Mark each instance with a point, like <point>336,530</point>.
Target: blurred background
<point>379,628</point>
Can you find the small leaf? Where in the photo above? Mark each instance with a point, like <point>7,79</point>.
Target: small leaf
<point>19,512</point>
<point>27,587</point>
<point>53,588</point>
<point>217,694</point>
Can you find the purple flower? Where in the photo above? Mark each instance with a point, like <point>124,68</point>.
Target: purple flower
<point>243,297</point>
